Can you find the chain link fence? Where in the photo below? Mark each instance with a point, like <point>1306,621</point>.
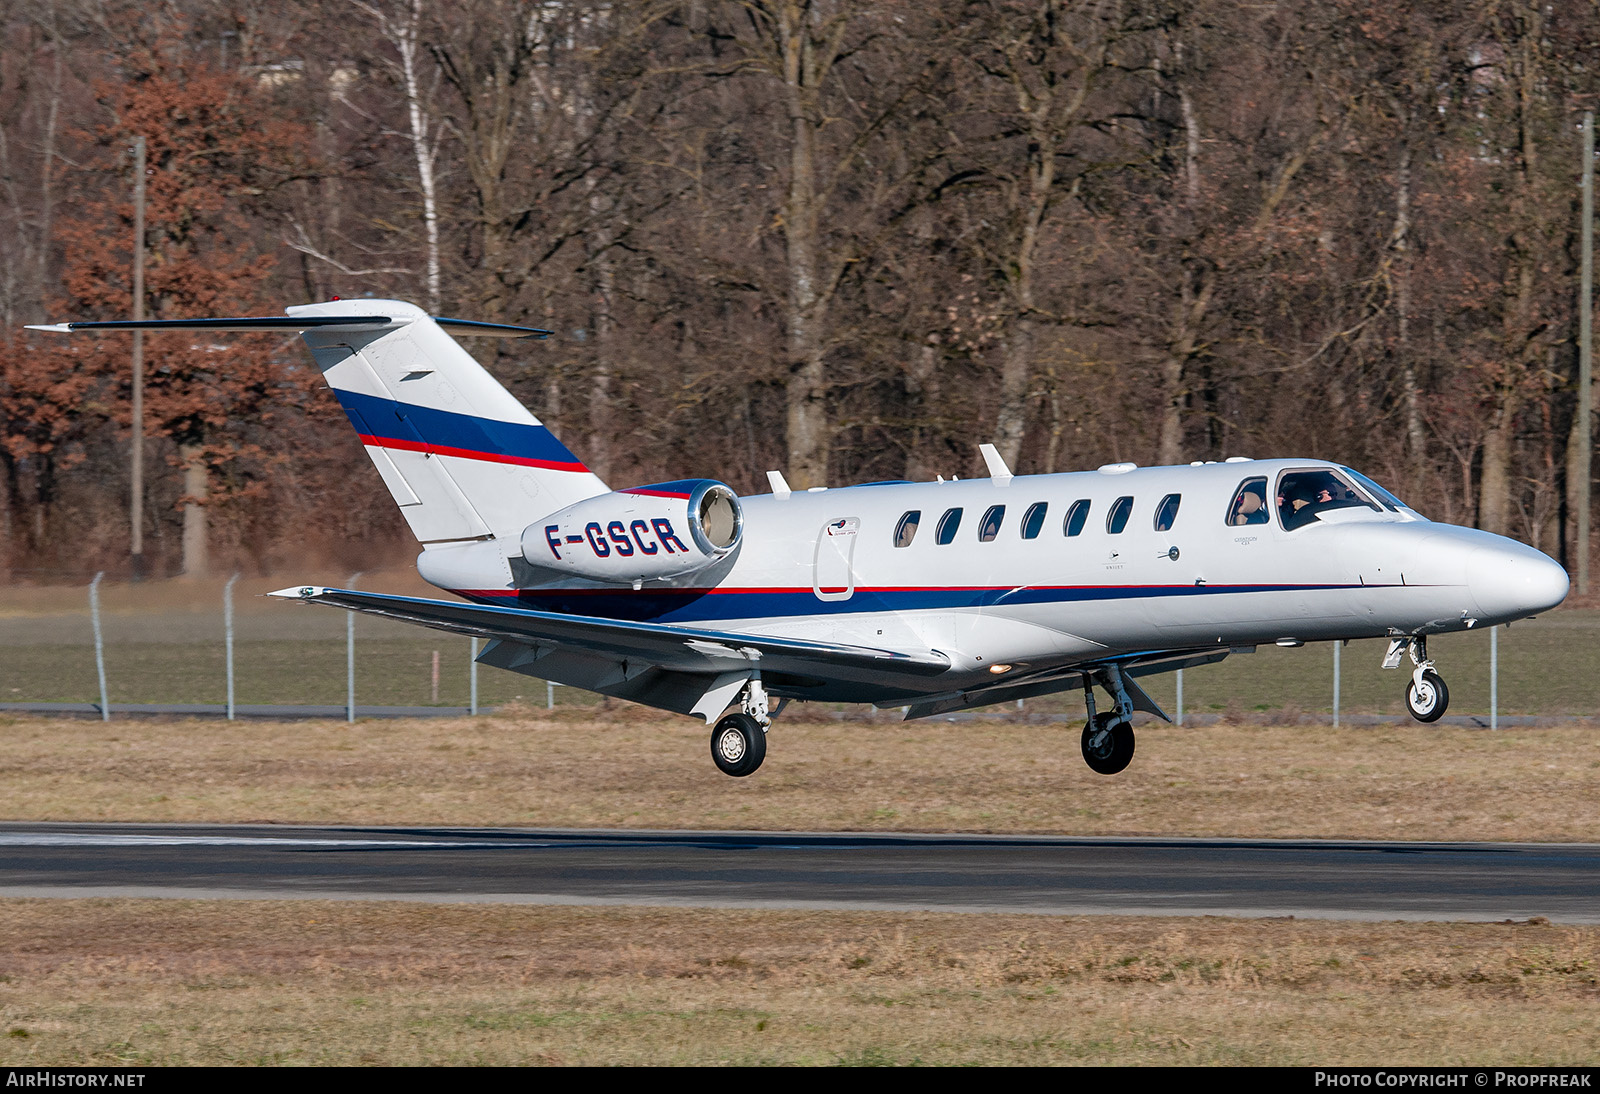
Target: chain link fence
<point>166,643</point>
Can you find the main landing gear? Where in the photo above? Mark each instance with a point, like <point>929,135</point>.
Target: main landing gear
<point>739,741</point>
<point>1427,698</point>
<point>1108,738</point>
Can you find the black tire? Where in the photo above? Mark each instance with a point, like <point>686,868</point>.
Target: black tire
<point>1107,744</point>
<point>1431,702</point>
<point>738,745</point>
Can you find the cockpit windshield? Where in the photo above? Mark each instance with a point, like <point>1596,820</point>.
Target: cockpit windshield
<point>1304,495</point>
<point>1390,502</point>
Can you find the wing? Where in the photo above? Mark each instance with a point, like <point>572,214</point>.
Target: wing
<point>682,669</point>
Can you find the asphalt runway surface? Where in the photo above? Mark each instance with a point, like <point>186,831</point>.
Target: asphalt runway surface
<point>962,873</point>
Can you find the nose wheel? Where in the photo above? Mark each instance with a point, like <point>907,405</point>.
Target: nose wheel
<point>1107,744</point>
<point>1427,698</point>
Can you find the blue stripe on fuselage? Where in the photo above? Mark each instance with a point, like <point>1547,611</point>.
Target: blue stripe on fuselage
<point>704,605</point>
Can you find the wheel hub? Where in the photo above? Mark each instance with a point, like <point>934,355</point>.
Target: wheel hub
<point>731,745</point>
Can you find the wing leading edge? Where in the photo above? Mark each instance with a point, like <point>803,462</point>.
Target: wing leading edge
<point>681,669</point>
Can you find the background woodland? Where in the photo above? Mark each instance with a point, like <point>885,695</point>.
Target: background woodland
<point>848,239</point>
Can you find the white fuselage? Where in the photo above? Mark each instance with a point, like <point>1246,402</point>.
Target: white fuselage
<point>824,565</point>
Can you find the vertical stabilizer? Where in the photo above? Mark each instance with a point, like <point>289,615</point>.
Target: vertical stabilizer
<point>463,459</point>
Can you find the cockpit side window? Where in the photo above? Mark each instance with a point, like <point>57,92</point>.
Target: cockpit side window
<point>1304,495</point>
<point>906,530</point>
<point>1249,504</point>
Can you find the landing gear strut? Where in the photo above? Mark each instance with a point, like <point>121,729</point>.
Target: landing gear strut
<point>1108,738</point>
<point>1427,698</point>
<point>739,742</point>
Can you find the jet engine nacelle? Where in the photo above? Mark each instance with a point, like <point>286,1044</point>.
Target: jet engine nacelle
<point>664,530</point>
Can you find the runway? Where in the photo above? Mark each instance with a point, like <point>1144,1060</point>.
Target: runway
<point>960,873</point>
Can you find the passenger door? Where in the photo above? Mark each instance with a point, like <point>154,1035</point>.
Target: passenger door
<point>832,571</point>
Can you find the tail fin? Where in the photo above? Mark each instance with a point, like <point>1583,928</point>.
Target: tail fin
<point>463,459</point>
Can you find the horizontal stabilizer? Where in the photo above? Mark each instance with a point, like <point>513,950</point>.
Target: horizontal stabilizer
<point>295,325</point>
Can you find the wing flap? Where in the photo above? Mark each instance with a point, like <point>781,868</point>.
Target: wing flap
<point>1066,678</point>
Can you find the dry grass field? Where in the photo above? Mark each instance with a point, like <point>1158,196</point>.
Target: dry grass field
<point>635,769</point>
<point>243,982</point>
<point>131,983</point>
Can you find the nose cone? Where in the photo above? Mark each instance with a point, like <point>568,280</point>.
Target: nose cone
<point>1510,580</point>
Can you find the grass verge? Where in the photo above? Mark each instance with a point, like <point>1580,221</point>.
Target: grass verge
<point>632,769</point>
<point>151,983</point>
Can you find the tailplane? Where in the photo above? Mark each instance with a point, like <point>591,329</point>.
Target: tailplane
<point>463,459</point>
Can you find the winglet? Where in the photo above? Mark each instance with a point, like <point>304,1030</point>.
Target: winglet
<point>780,485</point>
<point>998,471</point>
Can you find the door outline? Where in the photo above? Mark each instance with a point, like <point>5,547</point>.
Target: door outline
<point>838,538</point>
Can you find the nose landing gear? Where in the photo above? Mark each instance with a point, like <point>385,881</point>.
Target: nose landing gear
<point>1427,697</point>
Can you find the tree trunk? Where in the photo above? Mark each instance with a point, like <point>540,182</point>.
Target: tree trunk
<point>1016,379</point>
<point>806,395</point>
<point>1416,441</point>
<point>196,487</point>
<point>1191,310</point>
<point>1519,323</point>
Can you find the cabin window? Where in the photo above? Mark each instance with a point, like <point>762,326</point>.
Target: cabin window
<point>1033,520</point>
<point>991,523</point>
<point>906,530</point>
<point>1117,518</point>
<point>1303,496</point>
<point>1249,504</point>
<point>1075,518</point>
<point>1167,512</point>
<point>949,525</point>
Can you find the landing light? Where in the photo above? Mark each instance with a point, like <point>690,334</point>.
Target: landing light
<point>999,670</point>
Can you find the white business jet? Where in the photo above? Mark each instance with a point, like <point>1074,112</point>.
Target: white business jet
<point>932,596</point>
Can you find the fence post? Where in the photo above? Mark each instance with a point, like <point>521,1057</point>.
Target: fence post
<point>1179,703</point>
<point>549,695</point>
<point>99,645</point>
<point>227,628</point>
<point>350,657</point>
<point>1494,677</point>
<point>472,679</point>
<point>1337,646</point>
